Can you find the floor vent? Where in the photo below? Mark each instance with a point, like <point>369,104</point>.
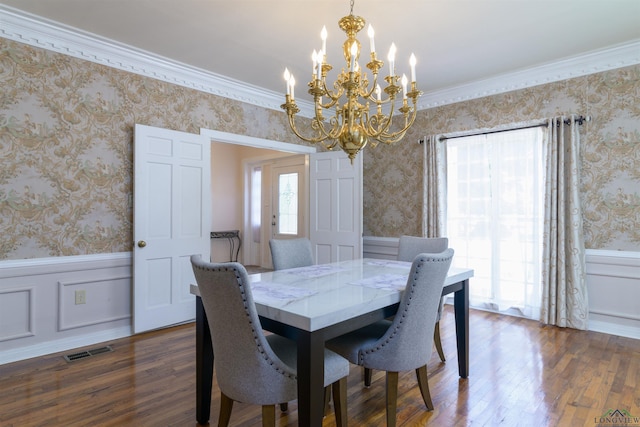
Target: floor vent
<point>88,353</point>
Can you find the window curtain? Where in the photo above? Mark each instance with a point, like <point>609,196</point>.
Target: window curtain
<point>434,207</point>
<point>564,289</point>
<point>563,276</point>
<point>495,216</point>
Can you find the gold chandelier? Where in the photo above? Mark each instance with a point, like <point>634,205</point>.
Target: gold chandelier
<point>354,124</point>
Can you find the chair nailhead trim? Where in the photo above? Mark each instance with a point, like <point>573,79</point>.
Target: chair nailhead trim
<point>403,314</point>
<point>265,355</point>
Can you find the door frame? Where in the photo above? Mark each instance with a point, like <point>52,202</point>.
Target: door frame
<point>250,141</point>
<point>259,253</point>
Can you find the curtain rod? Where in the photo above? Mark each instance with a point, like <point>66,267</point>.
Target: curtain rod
<point>580,120</point>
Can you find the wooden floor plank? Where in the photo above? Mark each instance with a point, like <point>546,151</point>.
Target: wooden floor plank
<point>521,374</point>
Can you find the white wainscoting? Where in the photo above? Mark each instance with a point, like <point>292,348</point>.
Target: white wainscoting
<point>613,282</point>
<point>38,310</point>
<point>38,313</point>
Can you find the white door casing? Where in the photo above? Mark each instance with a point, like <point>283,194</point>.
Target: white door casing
<point>172,217</point>
<point>335,206</point>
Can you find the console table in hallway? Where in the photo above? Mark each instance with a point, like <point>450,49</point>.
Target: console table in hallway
<point>231,236</point>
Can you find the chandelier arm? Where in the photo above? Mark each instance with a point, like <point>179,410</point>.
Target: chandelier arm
<point>396,136</point>
<point>335,96</point>
<point>333,101</point>
<point>313,140</point>
<point>376,133</point>
<point>333,132</point>
<point>369,94</point>
<point>336,127</point>
<point>382,101</point>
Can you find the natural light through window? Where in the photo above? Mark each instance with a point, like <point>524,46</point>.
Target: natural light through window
<point>288,204</point>
<point>256,201</point>
<point>495,215</point>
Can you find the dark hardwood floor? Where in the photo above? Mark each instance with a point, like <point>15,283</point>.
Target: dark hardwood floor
<point>521,374</point>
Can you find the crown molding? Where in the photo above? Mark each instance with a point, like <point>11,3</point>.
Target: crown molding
<point>39,32</point>
<point>596,61</point>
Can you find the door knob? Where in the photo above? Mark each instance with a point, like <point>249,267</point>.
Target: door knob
<point>142,243</point>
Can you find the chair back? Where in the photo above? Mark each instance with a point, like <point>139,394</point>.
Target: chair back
<point>410,246</point>
<point>246,367</point>
<point>408,342</point>
<point>291,253</point>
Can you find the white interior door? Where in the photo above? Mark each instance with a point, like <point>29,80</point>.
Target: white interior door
<point>171,222</point>
<point>335,206</point>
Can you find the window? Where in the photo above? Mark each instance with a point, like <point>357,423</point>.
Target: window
<point>256,203</point>
<point>495,193</point>
<point>288,203</point>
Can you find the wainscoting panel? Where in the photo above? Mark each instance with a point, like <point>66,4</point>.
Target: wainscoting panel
<point>380,247</point>
<point>40,312</point>
<point>613,282</point>
<point>106,300</point>
<point>16,313</point>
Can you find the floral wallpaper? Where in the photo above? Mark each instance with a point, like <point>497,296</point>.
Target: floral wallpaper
<point>66,135</point>
<point>610,154</point>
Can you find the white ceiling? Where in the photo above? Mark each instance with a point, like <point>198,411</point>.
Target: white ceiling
<point>457,42</point>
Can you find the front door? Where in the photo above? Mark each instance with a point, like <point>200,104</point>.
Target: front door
<point>286,201</point>
<point>289,198</point>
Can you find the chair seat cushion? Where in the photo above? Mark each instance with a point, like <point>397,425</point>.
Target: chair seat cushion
<point>335,366</point>
<point>349,345</point>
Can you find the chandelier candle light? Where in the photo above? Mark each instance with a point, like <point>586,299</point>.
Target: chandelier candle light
<point>354,123</point>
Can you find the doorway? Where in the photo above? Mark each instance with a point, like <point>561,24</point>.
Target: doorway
<point>334,200</point>
<point>231,156</point>
<point>277,204</point>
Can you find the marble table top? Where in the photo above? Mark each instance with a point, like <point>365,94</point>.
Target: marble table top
<point>314,297</point>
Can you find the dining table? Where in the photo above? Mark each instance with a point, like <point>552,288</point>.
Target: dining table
<point>313,304</point>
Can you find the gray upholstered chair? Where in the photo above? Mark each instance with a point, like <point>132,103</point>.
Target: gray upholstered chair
<point>404,343</point>
<point>408,248</point>
<point>250,366</point>
<point>291,253</point>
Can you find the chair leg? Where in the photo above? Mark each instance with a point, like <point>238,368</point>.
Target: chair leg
<point>437,342</point>
<point>268,415</point>
<point>226,405</point>
<point>327,399</point>
<point>392,398</point>
<point>423,383</point>
<point>368,372</point>
<point>340,401</point>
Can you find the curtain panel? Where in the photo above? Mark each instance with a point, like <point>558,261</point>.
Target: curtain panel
<point>564,300</point>
<point>434,206</point>
<point>564,289</point>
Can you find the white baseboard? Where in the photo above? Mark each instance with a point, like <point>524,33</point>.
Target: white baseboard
<point>41,349</point>
<point>607,327</point>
